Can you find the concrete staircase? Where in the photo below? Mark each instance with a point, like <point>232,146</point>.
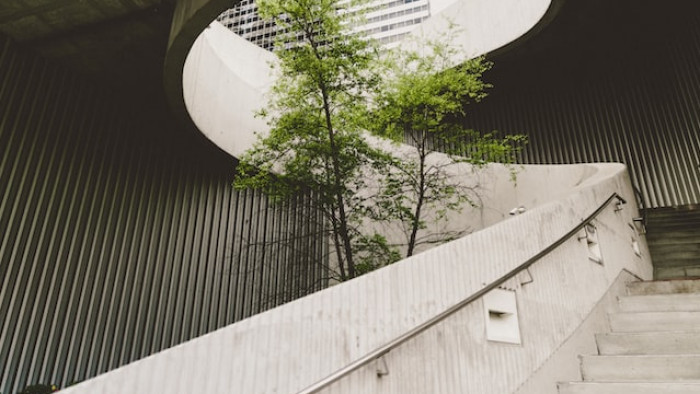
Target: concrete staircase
<point>673,235</point>
<point>654,346</point>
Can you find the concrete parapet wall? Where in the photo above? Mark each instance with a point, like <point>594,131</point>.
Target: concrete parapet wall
<point>297,344</point>
<point>225,78</point>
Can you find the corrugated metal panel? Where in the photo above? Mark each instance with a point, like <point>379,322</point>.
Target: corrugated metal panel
<point>625,88</point>
<point>113,247</point>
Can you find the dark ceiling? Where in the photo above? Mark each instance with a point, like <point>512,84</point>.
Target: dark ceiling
<point>592,39</point>
<point>122,43</point>
<point>119,43</point>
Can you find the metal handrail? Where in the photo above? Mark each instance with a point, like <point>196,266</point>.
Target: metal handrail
<point>391,345</point>
<point>642,209</point>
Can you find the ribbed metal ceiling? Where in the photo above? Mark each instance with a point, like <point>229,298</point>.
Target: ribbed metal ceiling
<point>116,243</point>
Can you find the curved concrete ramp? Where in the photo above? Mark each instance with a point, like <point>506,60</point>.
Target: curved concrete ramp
<point>299,343</point>
<point>225,78</point>
<point>217,80</point>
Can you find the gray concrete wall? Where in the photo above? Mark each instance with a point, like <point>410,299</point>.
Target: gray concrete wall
<point>290,347</point>
<point>564,364</point>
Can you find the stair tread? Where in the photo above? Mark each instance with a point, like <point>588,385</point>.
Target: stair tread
<point>667,286</point>
<point>649,343</point>
<point>676,262</point>
<point>678,258</point>
<point>671,235</point>
<point>670,238</point>
<point>655,297</point>
<point>652,216</point>
<point>656,383</point>
<point>644,368</point>
<point>649,356</point>
<point>672,248</point>
<point>655,219</point>
<point>686,272</point>
<point>672,221</point>
<point>651,333</point>
<point>654,346</point>
<point>604,387</point>
<point>660,302</point>
<point>659,314</point>
<point>654,321</point>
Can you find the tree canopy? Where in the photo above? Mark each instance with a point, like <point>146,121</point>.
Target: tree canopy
<point>423,102</point>
<point>332,89</point>
<point>317,108</point>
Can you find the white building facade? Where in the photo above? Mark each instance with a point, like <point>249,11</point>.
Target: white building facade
<point>388,22</point>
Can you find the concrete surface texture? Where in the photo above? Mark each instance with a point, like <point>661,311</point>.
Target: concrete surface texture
<point>293,346</point>
<point>225,78</point>
<point>563,365</point>
<point>652,349</point>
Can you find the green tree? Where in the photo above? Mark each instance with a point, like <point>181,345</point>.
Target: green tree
<point>318,104</point>
<point>328,93</point>
<point>423,102</point>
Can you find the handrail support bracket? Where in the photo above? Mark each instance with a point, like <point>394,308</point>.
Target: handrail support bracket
<point>382,367</point>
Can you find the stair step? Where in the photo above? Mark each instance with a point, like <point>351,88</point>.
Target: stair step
<point>679,258</point>
<point>673,211</point>
<point>628,388</point>
<point>662,246</point>
<point>685,217</point>
<point>664,287</point>
<point>654,321</point>
<point>672,219</point>
<point>654,347</point>
<point>688,216</point>
<point>661,303</point>
<point>661,273</point>
<point>676,248</point>
<point>673,222</point>
<point>641,368</point>
<point>673,238</point>
<point>649,343</point>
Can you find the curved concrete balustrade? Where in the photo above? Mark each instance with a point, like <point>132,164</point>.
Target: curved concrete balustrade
<point>224,82</point>
<point>225,79</point>
<point>222,79</point>
<point>488,26</point>
<point>292,346</point>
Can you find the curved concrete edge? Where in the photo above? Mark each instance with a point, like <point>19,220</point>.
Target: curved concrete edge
<point>190,18</point>
<point>299,343</point>
<point>487,26</point>
<point>224,82</point>
<point>547,18</point>
<point>535,186</point>
<point>217,109</point>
